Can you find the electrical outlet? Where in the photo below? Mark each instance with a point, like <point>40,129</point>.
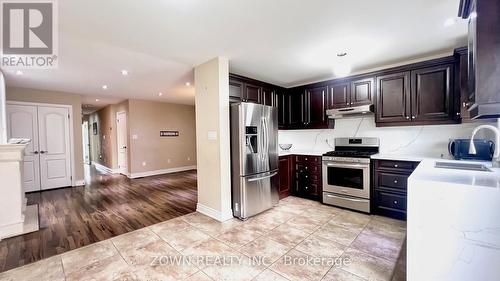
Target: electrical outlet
<point>143,163</point>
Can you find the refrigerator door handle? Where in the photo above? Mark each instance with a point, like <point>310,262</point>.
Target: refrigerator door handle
<point>264,177</point>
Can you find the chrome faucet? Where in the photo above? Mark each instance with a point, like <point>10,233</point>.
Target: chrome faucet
<point>496,130</point>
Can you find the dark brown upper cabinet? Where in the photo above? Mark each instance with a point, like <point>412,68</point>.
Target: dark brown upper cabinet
<point>315,107</point>
<point>282,104</point>
<point>251,93</point>
<point>483,57</point>
<point>361,92</point>
<point>235,89</point>
<point>296,105</point>
<point>250,90</point>
<point>339,95</point>
<point>393,98</point>
<point>268,96</point>
<point>422,96</point>
<point>431,88</point>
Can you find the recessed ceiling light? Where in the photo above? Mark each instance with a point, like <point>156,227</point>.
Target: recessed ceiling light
<point>160,94</point>
<point>188,84</point>
<point>449,22</point>
<point>124,72</point>
<point>19,72</point>
<point>104,87</point>
<point>96,99</point>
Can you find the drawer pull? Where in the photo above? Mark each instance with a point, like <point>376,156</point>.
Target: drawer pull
<point>395,165</point>
<point>306,187</point>
<point>307,167</point>
<point>395,181</point>
<point>305,158</point>
<point>396,202</point>
<point>307,177</point>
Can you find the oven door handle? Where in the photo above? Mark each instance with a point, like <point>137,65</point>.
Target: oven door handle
<point>346,198</point>
<point>355,166</point>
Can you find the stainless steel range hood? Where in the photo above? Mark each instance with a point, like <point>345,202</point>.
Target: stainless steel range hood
<point>351,112</point>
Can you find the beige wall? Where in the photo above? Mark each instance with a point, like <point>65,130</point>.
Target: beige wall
<point>54,97</point>
<point>213,155</point>
<point>145,120</point>
<point>103,147</point>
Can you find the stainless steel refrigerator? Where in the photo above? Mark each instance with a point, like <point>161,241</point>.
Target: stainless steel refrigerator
<point>254,158</point>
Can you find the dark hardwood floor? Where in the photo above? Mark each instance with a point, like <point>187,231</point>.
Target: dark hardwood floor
<point>108,206</point>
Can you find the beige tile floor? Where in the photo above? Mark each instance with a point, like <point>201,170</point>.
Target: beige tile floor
<point>297,240</point>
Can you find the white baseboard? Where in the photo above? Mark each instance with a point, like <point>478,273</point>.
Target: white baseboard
<point>220,216</point>
<point>79,182</point>
<point>105,169</point>
<point>160,172</point>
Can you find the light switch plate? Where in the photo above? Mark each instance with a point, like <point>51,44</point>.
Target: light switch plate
<point>212,135</point>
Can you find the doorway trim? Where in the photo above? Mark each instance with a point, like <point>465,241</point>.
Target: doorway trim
<point>120,170</point>
<point>74,181</point>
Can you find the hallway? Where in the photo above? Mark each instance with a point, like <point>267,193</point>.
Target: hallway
<point>109,205</point>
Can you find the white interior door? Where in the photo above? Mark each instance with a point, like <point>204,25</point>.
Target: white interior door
<point>22,123</point>
<point>121,140</point>
<point>54,143</point>
<point>86,145</point>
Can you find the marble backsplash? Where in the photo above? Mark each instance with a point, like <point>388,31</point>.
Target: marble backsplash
<point>430,141</point>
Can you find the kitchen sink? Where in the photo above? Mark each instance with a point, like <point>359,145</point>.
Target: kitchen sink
<point>462,166</point>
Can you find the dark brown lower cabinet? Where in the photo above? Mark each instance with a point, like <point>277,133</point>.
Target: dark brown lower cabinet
<point>390,186</point>
<point>285,176</point>
<point>307,177</point>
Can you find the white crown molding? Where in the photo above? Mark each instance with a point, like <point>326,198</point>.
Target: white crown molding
<point>160,172</point>
<point>220,216</point>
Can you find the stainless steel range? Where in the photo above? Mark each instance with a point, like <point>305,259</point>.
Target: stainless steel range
<point>346,173</point>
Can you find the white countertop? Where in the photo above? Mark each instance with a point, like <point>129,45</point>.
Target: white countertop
<point>453,224</point>
<point>301,152</point>
<point>427,172</point>
<point>409,157</point>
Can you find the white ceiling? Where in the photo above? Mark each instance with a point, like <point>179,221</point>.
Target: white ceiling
<point>286,42</point>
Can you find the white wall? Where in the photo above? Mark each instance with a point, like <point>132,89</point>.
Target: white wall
<point>213,154</point>
<point>429,141</point>
<point>3,112</point>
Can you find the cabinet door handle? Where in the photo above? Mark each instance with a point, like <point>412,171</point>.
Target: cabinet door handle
<point>43,152</point>
<point>35,152</point>
<point>407,117</point>
<point>413,117</point>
